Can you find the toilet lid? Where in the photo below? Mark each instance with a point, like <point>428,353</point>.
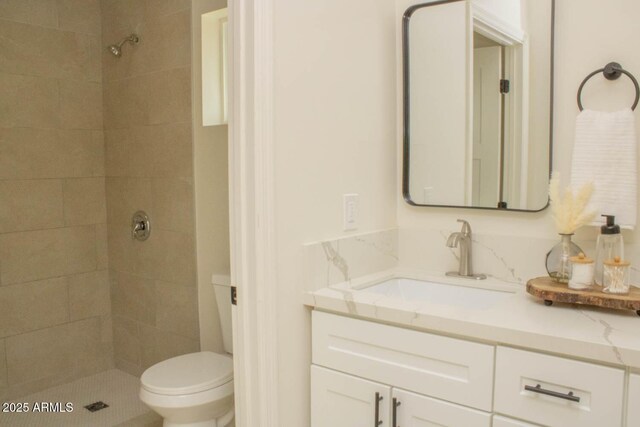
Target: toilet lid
<point>189,373</point>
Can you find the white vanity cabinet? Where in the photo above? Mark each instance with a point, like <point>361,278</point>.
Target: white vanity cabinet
<point>633,401</point>
<point>366,373</point>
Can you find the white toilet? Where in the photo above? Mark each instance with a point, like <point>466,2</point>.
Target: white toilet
<point>195,390</point>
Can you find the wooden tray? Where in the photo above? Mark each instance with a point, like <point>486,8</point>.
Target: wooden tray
<point>550,291</point>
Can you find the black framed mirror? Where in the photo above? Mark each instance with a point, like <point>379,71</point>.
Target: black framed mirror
<point>478,103</point>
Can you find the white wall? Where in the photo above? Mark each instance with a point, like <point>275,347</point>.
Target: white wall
<point>589,33</point>
<point>335,107</point>
<point>211,194</point>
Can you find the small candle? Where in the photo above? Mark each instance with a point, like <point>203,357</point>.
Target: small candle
<point>581,272</point>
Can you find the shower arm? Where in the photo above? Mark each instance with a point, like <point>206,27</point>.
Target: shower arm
<point>133,39</point>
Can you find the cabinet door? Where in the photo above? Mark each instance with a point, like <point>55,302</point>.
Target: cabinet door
<point>633,404</point>
<point>499,421</point>
<point>414,410</point>
<point>340,400</point>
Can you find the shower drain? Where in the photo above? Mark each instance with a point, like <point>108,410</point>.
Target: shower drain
<point>96,406</point>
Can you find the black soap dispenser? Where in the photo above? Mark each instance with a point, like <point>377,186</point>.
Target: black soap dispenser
<point>610,245</point>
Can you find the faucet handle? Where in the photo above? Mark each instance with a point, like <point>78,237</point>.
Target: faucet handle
<point>466,228</point>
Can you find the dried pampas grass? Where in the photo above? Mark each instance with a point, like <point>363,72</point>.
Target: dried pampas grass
<point>569,210</point>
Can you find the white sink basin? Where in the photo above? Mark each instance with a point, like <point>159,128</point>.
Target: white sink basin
<point>439,293</point>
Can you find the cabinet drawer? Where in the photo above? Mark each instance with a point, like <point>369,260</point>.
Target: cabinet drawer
<point>447,368</point>
<point>598,388</point>
<point>633,403</point>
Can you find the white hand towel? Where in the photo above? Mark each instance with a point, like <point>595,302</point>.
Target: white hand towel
<point>604,153</point>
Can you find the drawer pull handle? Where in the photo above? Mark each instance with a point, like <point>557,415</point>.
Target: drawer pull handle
<point>538,389</point>
<point>377,420</point>
<point>394,417</point>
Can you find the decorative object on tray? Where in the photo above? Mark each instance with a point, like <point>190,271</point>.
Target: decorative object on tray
<point>551,291</point>
<point>581,274</point>
<point>569,213</point>
<point>617,273</point>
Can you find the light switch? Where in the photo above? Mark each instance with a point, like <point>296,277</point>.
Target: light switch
<point>350,205</point>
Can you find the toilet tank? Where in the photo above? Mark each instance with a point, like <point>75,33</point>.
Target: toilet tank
<point>222,286</point>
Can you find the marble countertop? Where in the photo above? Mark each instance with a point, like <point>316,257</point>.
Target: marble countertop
<point>518,320</point>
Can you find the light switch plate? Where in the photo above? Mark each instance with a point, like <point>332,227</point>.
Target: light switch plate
<point>350,208</point>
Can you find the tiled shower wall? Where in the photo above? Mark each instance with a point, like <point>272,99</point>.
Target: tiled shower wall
<point>55,320</point>
<point>149,166</point>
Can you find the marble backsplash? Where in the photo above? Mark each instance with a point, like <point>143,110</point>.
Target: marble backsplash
<point>347,258</point>
<point>513,259</point>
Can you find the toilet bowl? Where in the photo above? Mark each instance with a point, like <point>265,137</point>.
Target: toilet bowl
<point>192,390</point>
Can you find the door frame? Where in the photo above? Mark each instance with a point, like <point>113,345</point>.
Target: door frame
<point>251,216</point>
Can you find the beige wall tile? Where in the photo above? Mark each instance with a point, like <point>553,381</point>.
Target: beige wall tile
<point>157,98</point>
<point>166,150</point>
<point>47,153</point>
<point>30,205</point>
<point>125,156</point>
<point>166,255</point>
<point>122,249</point>
<point>157,345</point>
<point>165,43</point>
<point>33,255</point>
<point>169,96</point>
<point>89,295</point>
<point>84,201</point>
<point>106,323</point>
<point>120,17</point>
<point>174,257</point>
<point>133,297</point>
<point>125,103</point>
<point>80,105</point>
<point>126,340</point>
<point>82,16</point>
<point>102,247</point>
<point>37,12</point>
<point>177,309</point>
<point>3,366</point>
<point>173,206</point>
<point>49,352</point>
<point>31,306</point>
<point>36,51</point>
<point>40,111</point>
<point>159,8</point>
<point>170,149</point>
<point>85,345</point>
<point>125,196</point>
<point>97,141</point>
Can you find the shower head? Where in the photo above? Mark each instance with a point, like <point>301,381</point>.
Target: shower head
<point>116,49</point>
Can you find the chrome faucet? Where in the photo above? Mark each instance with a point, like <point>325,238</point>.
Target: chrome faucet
<point>462,239</point>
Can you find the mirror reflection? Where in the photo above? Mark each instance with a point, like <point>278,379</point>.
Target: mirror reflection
<point>478,85</point>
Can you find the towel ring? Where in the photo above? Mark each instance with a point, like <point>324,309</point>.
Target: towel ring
<point>612,71</point>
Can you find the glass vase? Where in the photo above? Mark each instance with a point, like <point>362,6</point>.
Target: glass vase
<point>558,264</point>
